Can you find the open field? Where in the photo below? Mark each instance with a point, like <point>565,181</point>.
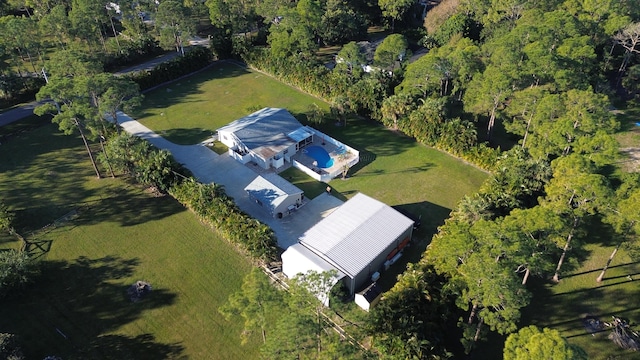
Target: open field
<point>119,234</point>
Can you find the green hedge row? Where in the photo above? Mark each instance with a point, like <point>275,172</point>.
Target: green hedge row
<point>193,60</point>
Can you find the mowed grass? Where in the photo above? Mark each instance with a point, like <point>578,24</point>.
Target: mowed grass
<point>189,111</point>
<point>393,168</point>
<point>79,307</point>
<point>563,306</point>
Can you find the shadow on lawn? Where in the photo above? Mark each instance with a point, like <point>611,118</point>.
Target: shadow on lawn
<point>128,209</point>
<point>178,91</point>
<point>368,137</point>
<point>73,305</point>
<point>187,136</point>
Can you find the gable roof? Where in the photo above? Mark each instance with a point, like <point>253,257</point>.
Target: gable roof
<point>265,132</point>
<point>271,189</point>
<point>356,233</point>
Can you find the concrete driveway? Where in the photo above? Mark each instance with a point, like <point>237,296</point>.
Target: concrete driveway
<point>209,167</point>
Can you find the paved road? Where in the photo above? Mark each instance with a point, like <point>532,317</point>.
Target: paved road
<point>149,65</point>
<point>208,167</point>
<point>18,113</point>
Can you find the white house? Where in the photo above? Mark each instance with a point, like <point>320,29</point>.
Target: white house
<point>268,137</point>
<point>273,138</point>
<point>359,239</point>
<point>278,196</point>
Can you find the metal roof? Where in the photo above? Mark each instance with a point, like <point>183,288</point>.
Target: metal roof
<point>271,189</point>
<point>356,233</point>
<point>265,129</point>
<point>297,259</point>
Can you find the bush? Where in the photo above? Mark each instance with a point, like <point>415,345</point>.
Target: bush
<point>16,271</point>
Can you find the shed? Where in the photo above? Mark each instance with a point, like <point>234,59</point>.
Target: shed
<point>278,196</point>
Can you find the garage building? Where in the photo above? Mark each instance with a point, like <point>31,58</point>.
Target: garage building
<point>357,240</point>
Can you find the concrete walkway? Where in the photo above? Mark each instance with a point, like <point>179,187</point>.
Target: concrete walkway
<point>208,167</point>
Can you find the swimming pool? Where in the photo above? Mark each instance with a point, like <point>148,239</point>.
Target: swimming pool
<point>320,155</point>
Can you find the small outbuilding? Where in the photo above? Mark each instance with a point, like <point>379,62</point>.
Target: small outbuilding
<point>359,239</point>
<point>276,195</point>
<point>368,297</point>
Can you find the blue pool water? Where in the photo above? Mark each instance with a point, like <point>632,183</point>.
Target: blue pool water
<point>320,155</point>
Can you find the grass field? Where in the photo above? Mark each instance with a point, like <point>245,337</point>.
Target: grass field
<point>190,110</point>
<point>563,306</point>
<point>79,308</point>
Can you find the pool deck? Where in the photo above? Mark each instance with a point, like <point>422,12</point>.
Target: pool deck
<point>338,161</point>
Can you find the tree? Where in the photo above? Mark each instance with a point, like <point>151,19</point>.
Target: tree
<point>291,37</point>
<point>410,319</point>
<point>16,271</point>
<point>392,50</point>
<point>629,39</point>
<point>532,235</point>
<point>625,219</point>
<point>487,93</point>
<point>531,343</point>
<point>340,23</point>
<point>9,347</point>
<point>256,300</point>
<point>71,110</point>
<point>238,16</point>
<point>575,192</point>
<point>57,23</point>
<point>394,108</point>
<point>88,21</point>
<point>351,58</point>
<point>394,9</point>
<point>315,114</point>
<point>174,24</point>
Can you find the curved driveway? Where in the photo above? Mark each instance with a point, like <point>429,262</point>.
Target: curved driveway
<point>208,167</point>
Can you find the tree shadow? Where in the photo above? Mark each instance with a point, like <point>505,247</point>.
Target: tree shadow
<point>37,248</point>
<point>72,305</point>
<point>186,136</point>
<point>129,208</point>
<point>368,137</point>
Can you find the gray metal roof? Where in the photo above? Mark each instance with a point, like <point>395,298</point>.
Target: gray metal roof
<point>271,189</point>
<point>265,129</point>
<point>356,233</point>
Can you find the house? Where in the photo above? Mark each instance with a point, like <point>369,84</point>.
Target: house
<point>268,137</point>
<point>359,239</point>
<point>272,138</point>
<point>278,196</point>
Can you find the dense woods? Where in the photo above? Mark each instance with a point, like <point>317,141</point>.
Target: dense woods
<point>523,89</point>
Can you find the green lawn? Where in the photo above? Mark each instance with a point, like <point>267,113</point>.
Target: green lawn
<point>190,110</point>
<point>562,306</point>
<point>121,234</point>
